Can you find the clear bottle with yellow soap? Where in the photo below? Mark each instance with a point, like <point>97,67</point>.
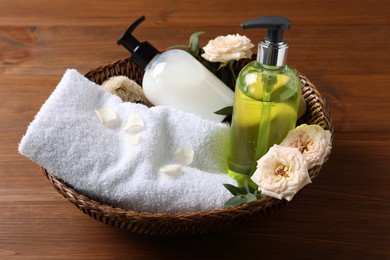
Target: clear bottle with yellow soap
<point>266,102</point>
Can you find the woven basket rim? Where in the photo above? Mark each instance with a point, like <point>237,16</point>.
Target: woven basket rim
<point>131,220</point>
<point>105,207</point>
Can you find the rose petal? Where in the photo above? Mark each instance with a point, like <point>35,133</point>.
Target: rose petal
<point>134,123</point>
<point>172,170</point>
<point>106,116</point>
<point>184,155</point>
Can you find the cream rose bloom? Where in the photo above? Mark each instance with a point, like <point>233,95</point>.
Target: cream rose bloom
<point>312,141</point>
<point>226,48</point>
<point>281,172</point>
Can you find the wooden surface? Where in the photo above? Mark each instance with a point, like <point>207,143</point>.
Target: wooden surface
<point>342,46</point>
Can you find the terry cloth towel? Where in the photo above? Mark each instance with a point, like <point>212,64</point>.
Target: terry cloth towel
<point>67,138</point>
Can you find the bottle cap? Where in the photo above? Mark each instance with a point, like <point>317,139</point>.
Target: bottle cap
<point>143,52</point>
<point>272,49</point>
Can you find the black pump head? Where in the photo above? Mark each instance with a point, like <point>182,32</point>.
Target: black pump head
<point>272,50</point>
<point>127,39</point>
<point>143,52</point>
<point>274,24</point>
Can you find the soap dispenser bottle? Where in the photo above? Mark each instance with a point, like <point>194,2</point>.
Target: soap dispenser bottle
<point>267,99</point>
<point>177,79</point>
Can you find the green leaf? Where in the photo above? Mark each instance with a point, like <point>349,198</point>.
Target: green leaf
<point>233,189</point>
<point>194,41</point>
<point>250,197</point>
<point>226,111</point>
<point>235,201</point>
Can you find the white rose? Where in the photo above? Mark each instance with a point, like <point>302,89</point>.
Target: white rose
<point>226,48</point>
<point>312,141</point>
<point>281,172</point>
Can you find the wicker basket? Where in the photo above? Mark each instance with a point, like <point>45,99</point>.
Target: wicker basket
<point>185,223</point>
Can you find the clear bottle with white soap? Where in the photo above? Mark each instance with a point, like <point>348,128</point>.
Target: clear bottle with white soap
<point>175,78</point>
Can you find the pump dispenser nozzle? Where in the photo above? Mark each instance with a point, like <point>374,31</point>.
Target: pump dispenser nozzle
<point>272,49</point>
<point>143,52</point>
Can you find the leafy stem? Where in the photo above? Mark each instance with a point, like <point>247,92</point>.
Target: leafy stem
<point>232,70</point>
<point>193,45</point>
<point>242,195</point>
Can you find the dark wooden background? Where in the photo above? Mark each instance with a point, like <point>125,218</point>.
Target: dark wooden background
<point>342,46</point>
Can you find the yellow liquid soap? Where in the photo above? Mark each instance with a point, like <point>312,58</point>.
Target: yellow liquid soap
<point>265,110</point>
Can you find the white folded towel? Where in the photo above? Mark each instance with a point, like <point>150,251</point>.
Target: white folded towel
<point>68,140</point>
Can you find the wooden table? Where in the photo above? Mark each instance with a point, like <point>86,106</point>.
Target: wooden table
<point>342,46</point>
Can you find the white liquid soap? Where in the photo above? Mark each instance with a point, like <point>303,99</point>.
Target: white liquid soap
<point>175,78</point>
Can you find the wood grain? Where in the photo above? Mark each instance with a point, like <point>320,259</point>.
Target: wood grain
<point>342,46</point>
